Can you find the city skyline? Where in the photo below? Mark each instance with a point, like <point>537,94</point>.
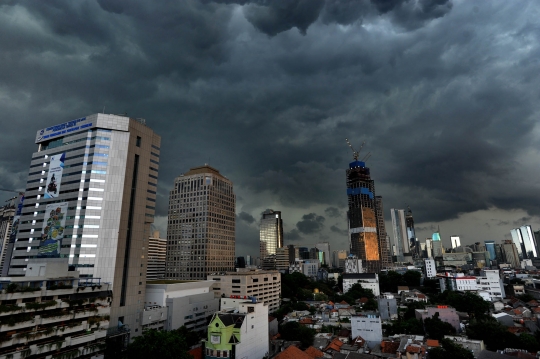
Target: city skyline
<point>448,116</point>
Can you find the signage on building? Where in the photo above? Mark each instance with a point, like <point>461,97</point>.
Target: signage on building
<point>54,177</point>
<point>62,129</point>
<point>53,230</point>
<point>215,339</point>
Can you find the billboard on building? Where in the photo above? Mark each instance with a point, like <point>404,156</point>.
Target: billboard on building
<point>53,230</point>
<point>16,218</point>
<point>54,178</point>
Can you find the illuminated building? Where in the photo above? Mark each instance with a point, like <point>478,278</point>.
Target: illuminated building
<point>271,233</point>
<point>437,245</point>
<point>366,230</point>
<point>455,241</point>
<point>525,242</point>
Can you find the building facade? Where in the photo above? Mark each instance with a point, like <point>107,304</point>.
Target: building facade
<point>366,280</point>
<point>525,242</point>
<point>455,241</point>
<point>263,285</point>
<point>157,251</point>
<point>324,247</point>
<point>431,269</point>
<point>369,327</point>
<point>339,258</point>
<point>271,233</point>
<point>399,227</point>
<point>201,227</point>
<point>364,217</point>
<point>90,202</point>
<point>511,254</point>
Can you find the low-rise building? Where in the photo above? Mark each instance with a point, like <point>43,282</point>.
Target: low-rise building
<point>491,282</point>
<point>172,304</point>
<point>238,330</point>
<point>263,285</point>
<point>367,280</point>
<point>52,312</point>
<point>431,269</point>
<point>475,346</point>
<point>387,306</point>
<point>446,314</point>
<point>369,327</point>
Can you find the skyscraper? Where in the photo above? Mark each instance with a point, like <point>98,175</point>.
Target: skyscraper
<point>399,227</point>
<point>438,249</point>
<point>325,248</point>
<point>271,233</point>
<point>455,241</point>
<point>157,251</point>
<point>490,248</point>
<point>201,227</point>
<point>89,201</point>
<point>429,248</point>
<point>364,218</point>
<point>525,242</point>
<point>511,254</point>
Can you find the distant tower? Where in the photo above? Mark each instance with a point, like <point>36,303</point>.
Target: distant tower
<point>411,235</point>
<point>400,233</point>
<point>364,217</point>
<point>455,241</point>
<point>437,245</point>
<point>525,242</point>
<point>271,233</point>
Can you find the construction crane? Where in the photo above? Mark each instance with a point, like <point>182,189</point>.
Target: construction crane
<point>355,153</point>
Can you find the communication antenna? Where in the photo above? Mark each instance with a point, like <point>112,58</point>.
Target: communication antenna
<point>355,153</point>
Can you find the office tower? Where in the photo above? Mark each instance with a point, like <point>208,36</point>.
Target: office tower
<point>429,248</point>
<point>399,227</point>
<point>455,241</point>
<point>511,254</point>
<point>240,262</point>
<point>157,251</point>
<point>365,218</point>
<point>325,248</point>
<point>304,252</point>
<point>525,242</point>
<point>294,253</point>
<point>89,201</point>
<point>384,240</point>
<point>339,258</point>
<point>282,259</point>
<point>490,248</point>
<point>409,222</point>
<point>248,260</point>
<point>438,249</point>
<point>201,228</point>
<point>271,233</point>
<point>10,215</point>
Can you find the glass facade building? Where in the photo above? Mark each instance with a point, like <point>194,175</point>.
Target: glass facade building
<point>525,241</point>
<point>271,233</point>
<point>201,226</point>
<point>90,201</point>
<point>490,248</point>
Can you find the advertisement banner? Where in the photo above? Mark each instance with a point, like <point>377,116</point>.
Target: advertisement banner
<point>54,178</point>
<point>53,230</point>
<point>16,218</point>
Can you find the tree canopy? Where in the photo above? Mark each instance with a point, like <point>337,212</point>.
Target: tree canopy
<point>295,331</point>
<point>450,350</point>
<point>159,344</point>
<point>437,329</point>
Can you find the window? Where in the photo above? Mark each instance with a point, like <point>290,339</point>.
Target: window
<point>138,142</point>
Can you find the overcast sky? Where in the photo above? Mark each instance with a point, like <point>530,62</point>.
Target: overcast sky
<point>445,94</point>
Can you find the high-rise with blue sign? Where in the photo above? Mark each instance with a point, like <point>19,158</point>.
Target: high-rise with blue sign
<point>90,201</point>
<point>367,234</point>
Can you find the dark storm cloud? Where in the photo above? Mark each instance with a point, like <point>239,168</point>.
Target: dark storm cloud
<point>337,230</point>
<point>332,212</point>
<point>292,235</point>
<point>246,217</point>
<point>311,223</point>
<point>444,94</point>
<point>274,17</point>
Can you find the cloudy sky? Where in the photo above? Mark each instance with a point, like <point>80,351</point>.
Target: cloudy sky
<point>445,94</point>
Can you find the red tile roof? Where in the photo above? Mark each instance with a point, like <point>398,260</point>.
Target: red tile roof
<point>432,343</point>
<point>314,352</point>
<point>293,352</point>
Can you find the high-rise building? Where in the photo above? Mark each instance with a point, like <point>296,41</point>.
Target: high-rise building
<point>339,258</point>
<point>429,248</point>
<point>490,248</point>
<point>385,252</point>
<point>271,233</point>
<point>303,252</point>
<point>438,248</point>
<point>201,228</point>
<point>511,254</point>
<point>525,242</point>
<point>90,201</point>
<point>325,248</point>
<point>157,251</point>
<point>364,218</point>
<point>455,241</point>
<point>411,234</point>
<point>399,227</point>
<point>10,215</point>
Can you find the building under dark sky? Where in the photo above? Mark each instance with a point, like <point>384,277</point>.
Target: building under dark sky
<point>366,227</point>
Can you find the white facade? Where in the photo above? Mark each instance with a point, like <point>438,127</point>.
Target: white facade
<point>455,241</point>
<point>466,284</point>
<point>492,283</point>
<point>431,270</point>
<point>369,327</point>
<point>429,247</point>
<point>188,304</point>
<point>366,280</point>
<point>353,265</point>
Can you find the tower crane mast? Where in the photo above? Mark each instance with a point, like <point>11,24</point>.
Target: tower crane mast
<point>355,153</point>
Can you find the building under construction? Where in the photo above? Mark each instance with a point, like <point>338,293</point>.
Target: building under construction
<point>368,239</point>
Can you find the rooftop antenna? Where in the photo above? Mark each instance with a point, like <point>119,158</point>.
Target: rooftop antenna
<point>355,153</point>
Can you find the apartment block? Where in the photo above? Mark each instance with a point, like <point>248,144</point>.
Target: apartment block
<point>369,327</point>
<point>263,285</point>
<point>157,252</point>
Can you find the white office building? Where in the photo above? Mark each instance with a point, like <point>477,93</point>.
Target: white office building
<point>90,201</point>
<point>491,283</point>
<point>366,280</point>
<point>455,241</point>
<point>369,327</point>
<point>431,269</point>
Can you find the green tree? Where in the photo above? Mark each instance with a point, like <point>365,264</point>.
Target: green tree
<point>409,326</point>
<point>412,278</point>
<point>495,335</point>
<point>390,281</point>
<point>295,331</point>
<point>370,305</point>
<point>411,309</point>
<point>450,350</point>
<point>437,329</point>
<point>466,302</point>
<point>159,344</point>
